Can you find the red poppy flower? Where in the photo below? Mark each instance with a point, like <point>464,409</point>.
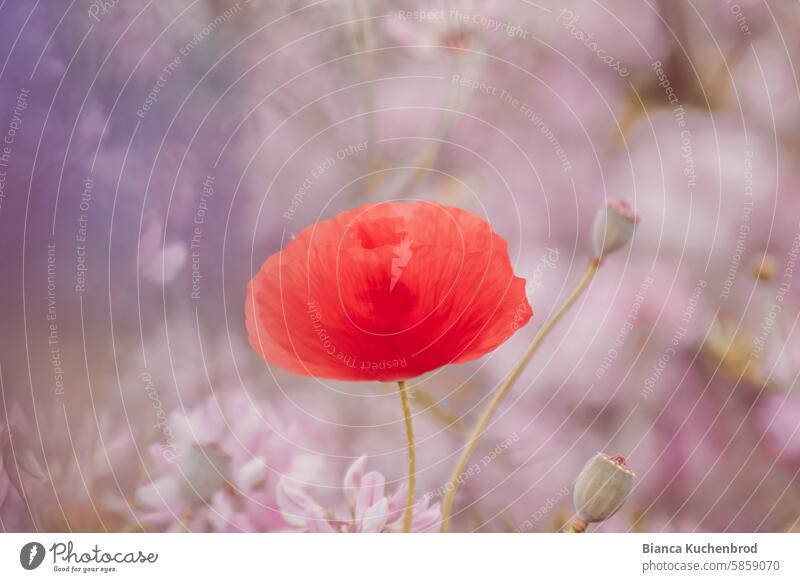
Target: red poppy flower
<point>386,292</point>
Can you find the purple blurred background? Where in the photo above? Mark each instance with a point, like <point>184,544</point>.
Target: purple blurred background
<point>155,153</point>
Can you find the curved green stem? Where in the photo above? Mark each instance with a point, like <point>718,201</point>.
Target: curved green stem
<point>412,461</point>
<point>483,421</point>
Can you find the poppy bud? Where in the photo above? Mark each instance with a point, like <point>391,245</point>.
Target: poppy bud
<point>601,488</point>
<point>613,227</point>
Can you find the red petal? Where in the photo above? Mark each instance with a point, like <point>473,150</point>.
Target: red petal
<point>386,292</point>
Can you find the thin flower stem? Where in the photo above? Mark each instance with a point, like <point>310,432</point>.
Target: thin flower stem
<point>474,437</point>
<point>412,460</point>
<point>575,525</point>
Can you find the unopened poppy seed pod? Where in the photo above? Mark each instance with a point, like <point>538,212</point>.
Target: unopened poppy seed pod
<point>613,227</point>
<point>601,488</point>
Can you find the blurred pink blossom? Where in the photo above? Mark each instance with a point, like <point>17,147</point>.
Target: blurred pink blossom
<point>229,453</point>
<point>369,508</point>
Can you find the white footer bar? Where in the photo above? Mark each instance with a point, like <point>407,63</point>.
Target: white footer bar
<point>407,558</point>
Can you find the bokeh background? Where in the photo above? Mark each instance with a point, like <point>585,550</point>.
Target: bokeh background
<point>154,153</point>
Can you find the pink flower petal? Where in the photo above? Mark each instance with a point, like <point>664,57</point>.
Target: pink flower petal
<point>372,490</point>
<point>159,494</point>
<point>352,479</point>
<point>222,511</point>
<point>428,520</point>
<point>375,517</point>
<point>397,502</point>
<point>250,473</point>
<point>295,504</point>
<point>318,523</point>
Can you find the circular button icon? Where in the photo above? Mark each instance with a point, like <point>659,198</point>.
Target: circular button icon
<point>31,555</point>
